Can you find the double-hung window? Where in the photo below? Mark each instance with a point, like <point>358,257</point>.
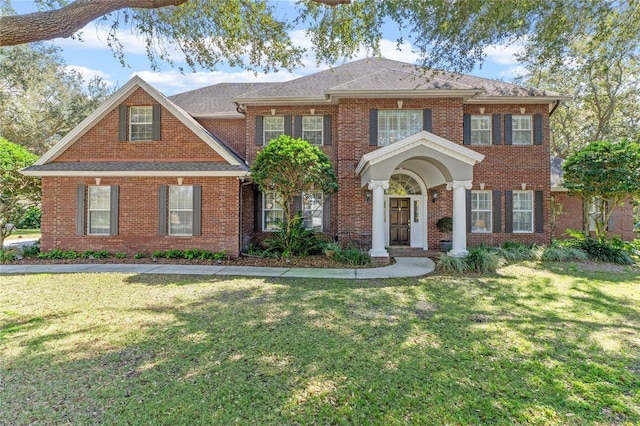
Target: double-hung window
<point>181,210</point>
<point>312,127</point>
<point>521,130</point>
<point>99,210</point>
<point>273,127</point>
<point>522,211</point>
<point>273,215</point>
<point>481,211</point>
<point>395,125</point>
<point>141,123</point>
<point>312,210</point>
<point>480,130</point>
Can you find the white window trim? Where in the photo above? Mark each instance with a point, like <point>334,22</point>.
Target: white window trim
<point>321,130</point>
<point>170,211</point>
<point>531,213</point>
<point>146,123</point>
<point>381,114</point>
<point>265,210</point>
<point>90,209</point>
<point>490,210</point>
<point>264,128</point>
<point>529,130</point>
<point>489,129</point>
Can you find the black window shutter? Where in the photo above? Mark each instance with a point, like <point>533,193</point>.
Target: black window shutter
<point>297,204</point>
<point>326,215</point>
<point>466,129</point>
<point>80,209</point>
<point>115,195</point>
<point>537,129</point>
<point>539,211</point>
<point>197,210</point>
<point>427,121</point>
<point>297,126</point>
<point>507,129</point>
<point>497,211</point>
<point>287,125</point>
<point>257,210</point>
<point>122,123</point>
<point>373,127</point>
<point>162,210</point>
<point>326,130</point>
<point>156,122</point>
<point>508,211</point>
<point>497,136</point>
<point>468,207</point>
<point>259,133</point>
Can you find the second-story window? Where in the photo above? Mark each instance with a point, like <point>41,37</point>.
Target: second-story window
<point>521,130</point>
<point>273,128</point>
<point>480,130</point>
<point>395,125</point>
<point>312,129</point>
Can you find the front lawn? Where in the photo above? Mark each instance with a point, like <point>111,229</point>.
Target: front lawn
<point>534,344</point>
<point>17,234</point>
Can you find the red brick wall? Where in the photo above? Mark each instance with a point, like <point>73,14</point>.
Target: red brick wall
<point>138,216</point>
<point>177,143</point>
<point>570,216</point>
<point>230,131</point>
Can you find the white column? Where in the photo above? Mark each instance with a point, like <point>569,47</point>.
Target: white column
<point>377,218</point>
<point>459,246</point>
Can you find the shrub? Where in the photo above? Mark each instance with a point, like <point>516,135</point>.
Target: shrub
<point>559,252</point>
<point>158,254</point>
<point>95,254</point>
<point>30,218</point>
<point>57,253</point>
<point>120,255</point>
<point>32,250</point>
<point>7,255</point>
<point>482,259</point>
<point>220,255</point>
<point>602,250</point>
<point>352,256</point>
<point>448,263</point>
<point>174,254</point>
<point>513,250</point>
<point>297,242</point>
<point>140,255</point>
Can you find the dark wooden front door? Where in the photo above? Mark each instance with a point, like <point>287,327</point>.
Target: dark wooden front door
<point>399,221</point>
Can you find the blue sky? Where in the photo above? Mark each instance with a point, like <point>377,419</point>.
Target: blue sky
<point>92,56</point>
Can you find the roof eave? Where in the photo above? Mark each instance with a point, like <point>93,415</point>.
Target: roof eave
<point>516,99</point>
<point>135,173</point>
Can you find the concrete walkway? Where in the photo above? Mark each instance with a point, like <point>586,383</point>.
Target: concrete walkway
<point>404,267</point>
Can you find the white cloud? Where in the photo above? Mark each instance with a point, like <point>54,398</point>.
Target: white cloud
<point>172,81</point>
<point>88,73</point>
<point>502,54</point>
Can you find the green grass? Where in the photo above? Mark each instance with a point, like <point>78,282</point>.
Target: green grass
<point>24,233</point>
<point>533,344</point>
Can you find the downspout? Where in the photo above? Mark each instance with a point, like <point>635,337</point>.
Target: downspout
<point>554,108</point>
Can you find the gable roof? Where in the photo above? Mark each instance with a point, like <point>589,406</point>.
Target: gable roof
<point>379,77</point>
<point>116,99</point>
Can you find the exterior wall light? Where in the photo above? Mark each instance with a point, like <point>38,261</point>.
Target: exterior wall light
<point>434,196</point>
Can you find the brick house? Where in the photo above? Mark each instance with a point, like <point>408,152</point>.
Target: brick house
<point>146,172</point>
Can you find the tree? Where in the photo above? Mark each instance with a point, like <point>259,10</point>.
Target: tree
<point>17,191</point>
<point>602,76</point>
<point>40,99</point>
<point>452,35</point>
<point>290,167</point>
<point>605,173</point>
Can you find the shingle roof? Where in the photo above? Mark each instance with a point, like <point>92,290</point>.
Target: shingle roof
<point>216,99</point>
<point>364,75</point>
<point>136,166</point>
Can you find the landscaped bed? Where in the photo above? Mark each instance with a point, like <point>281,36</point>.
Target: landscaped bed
<point>535,343</point>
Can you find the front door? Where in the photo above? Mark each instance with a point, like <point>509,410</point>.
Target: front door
<point>399,221</point>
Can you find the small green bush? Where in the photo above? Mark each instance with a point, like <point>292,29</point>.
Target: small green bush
<point>158,254</point>
<point>513,250</point>
<point>140,255</point>
<point>7,255</point>
<point>482,259</point>
<point>57,253</point>
<point>30,218</point>
<point>121,255</point>
<point>448,263</point>
<point>32,250</point>
<point>299,241</point>
<point>220,255</point>
<point>95,254</point>
<point>559,252</point>
<point>352,256</point>
<point>602,250</point>
<point>174,254</point>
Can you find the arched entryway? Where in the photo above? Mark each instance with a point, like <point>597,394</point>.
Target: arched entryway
<point>431,158</point>
<point>406,210</point>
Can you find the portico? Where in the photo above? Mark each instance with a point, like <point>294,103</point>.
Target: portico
<point>430,161</point>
